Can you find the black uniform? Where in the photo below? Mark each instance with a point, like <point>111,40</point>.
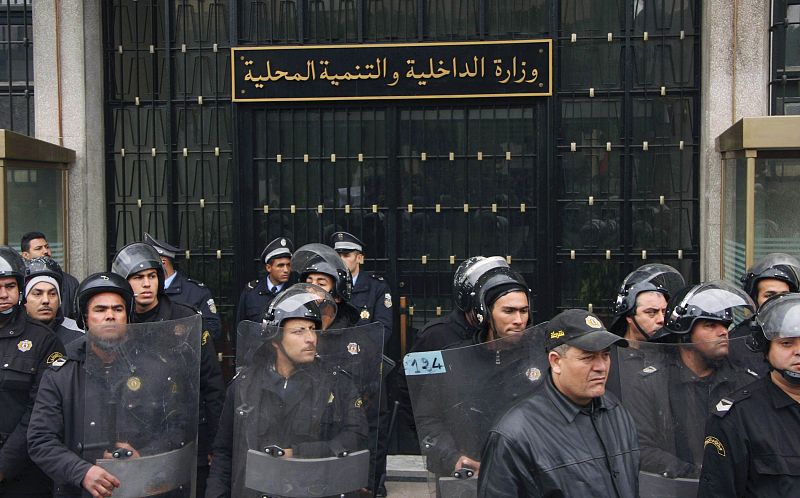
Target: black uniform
<point>669,405</point>
<point>212,386</point>
<point>65,328</point>
<point>752,444</point>
<point>69,287</point>
<point>195,294</point>
<point>372,299</point>
<point>26,347</point>
<point>548,446</point>
<point>451,330</point>
<point>314,413</point>
<point>256,297</point>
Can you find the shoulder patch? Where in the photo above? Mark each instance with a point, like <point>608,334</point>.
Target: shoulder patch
<point>252,284</point>
<point>387,300</point>
<point>716,443</point>
<point>212,306</point>
<point>53,357</point>
<point>649,370</point>
<point>725,404</point>
<point>58,363</point>
<point>206,337</point>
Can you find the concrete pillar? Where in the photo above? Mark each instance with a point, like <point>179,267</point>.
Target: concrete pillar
<point>81,55</point>
<point>735,75</point>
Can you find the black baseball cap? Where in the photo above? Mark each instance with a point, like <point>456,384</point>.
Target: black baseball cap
<point>580,329</point>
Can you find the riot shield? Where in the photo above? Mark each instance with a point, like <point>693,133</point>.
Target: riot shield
<point>302,403</point>
<point>670,390</point>
<point>459,394</point>
<point>141,395</point>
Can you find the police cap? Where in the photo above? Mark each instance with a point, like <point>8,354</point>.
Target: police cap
<point>346,242</point>
<point>278,248</point>
<point>163,249</point>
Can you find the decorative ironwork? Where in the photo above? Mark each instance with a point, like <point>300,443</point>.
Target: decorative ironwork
<point>16,66</point>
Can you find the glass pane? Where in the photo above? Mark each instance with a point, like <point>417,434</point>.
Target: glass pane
<point>35,201</point>
<point>734,214</point>
<point>777,226</point>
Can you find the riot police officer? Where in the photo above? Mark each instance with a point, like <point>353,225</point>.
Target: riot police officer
<point>285,399</point>
<point>34,245</point>
<point>775,273</point>
<point>671,397</point>
<point>43,278</point>
<point>320,265</point>
<point>638,313</point>
<point>26,348</point>
<point>752,439</point>
<point>141,265</point>
<point>258,293</point>
<point>55,434</point>
<point>370,295</point>
<point>183,289</point>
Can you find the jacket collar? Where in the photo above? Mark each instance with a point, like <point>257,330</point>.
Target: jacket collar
<point>15,324</point>
<point>570,410</point>
<point>779,398</point>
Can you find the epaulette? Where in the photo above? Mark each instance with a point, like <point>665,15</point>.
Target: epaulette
<point>648,370</point>
<point>196,282</point>
<point>751,372</point>
<point>377,277</point>
<point>252,284</point>
<point>724,405</point>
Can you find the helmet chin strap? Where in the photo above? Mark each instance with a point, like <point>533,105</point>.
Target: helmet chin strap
<point>792,378</point>
<point>640,329</point>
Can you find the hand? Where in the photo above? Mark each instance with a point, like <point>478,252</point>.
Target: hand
<point>287,453</point>
<point>465,462</point>
<point>99,482</point>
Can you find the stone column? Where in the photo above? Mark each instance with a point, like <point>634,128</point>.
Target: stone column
<point>81,55</point>
<point>735,75</point>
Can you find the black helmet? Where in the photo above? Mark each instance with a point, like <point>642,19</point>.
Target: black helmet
<point>778,318</point>
<point>43,266</point>
<point>97,283</point>
<point>717,301</point>
<point>319,258</point>
<point>467,275</point>
<point>302,300</point>
<point>12,265</point>
<point>491,286</point>
<point>647,278</point>
<point>777,265</point>
<point>137,257</point>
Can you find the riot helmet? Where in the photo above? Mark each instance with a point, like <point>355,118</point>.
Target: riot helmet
<point>716,301</point>
<point>98,283</point>
<point>493,285</point>
<point>778,266</point>
<point>653,277</point>
<point>778,318</point>
<point>12,265</point>
<point>301,300</point>
<point>319,258</point>
<point>467,275</point>
<point>45,267</point>
<point>137,257</point>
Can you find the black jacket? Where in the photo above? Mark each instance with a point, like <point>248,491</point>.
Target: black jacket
<point>255,298</point>
<point>212,386</point>
<point>752,444</point>
<point>548,446</point>
<point>314,413</point>
<point>670,405</point>
<point>26,347</point>
<point>451,330</point>
<point>65,328</point>
<point>196,295</point>
<point>373,300</point>
<point>69,287</point>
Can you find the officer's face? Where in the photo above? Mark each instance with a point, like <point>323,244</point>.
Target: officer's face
<point>352,259</point>
<point>279,270</point>
<point>9,293</point>
<point>320,280</point>
<point>710,339</point>
<point>299,340</point>
<point>650,309</point>
<point>37,249</point>
<point>145,288</point>
<point>510,314</point>
<point>42,302</point>
<point>106,308</point>
<point>768,287</point>
<point>784,354</point>
<point>580,375</point>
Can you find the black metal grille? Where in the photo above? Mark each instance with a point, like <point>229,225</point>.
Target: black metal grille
<point>170,134</point>
<point>785,78</point>
<point>16,66</point>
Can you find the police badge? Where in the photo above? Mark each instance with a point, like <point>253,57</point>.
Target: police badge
<point>25,345</point>
<point>353,348</point>
<point>533,374</point>
<point>364,314</point>
<point>387,300</point>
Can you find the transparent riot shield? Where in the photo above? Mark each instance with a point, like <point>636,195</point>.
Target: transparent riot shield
<point>303,401</point>
<point>458,395</point>
<point>141,405</point>
<point>670,390</point>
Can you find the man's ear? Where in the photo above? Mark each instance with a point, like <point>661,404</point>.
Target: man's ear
<point>555,362</point>
<point>360,258</point>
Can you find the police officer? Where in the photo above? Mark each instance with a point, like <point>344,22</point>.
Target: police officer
<point>638,313</point>
<point>26,348</point>
<point>34,245</point>
<point>258,293</point>
<point>671,398</point>
<point>752,439</point>
<point>55,434</point>
<point>370,295</point>
<point>292,401</point>
<point>141,265</point>
<point>43,277</point>
<point>183,289</point>
<point>773,274</point>
<point>320,265</point>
